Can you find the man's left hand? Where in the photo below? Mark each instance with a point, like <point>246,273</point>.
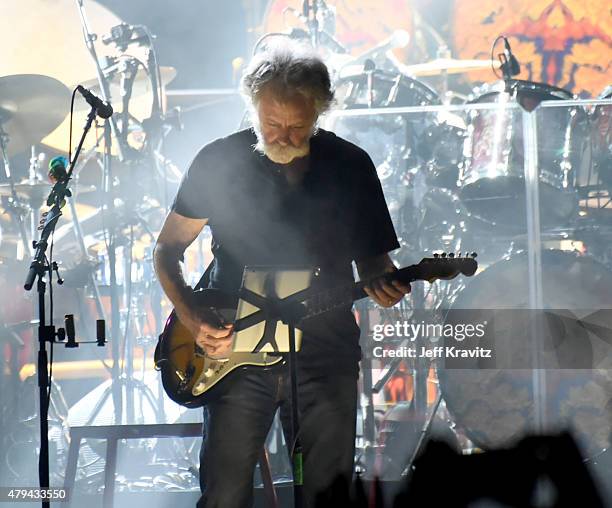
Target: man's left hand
<point>386,294</point>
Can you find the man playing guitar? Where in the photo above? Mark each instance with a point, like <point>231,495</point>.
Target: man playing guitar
<point>281,193</point>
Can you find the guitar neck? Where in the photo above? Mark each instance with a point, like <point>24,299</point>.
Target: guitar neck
<point>327,300</point>
<point>306,305</point>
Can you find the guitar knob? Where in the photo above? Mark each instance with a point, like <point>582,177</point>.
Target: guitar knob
<point>443,255</point>
<point>451,255</point>
<point>436,256</point>
<point>474,255</point>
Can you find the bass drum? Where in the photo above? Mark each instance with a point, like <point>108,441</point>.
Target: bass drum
<point>495,407</point>
<point>492,176</point>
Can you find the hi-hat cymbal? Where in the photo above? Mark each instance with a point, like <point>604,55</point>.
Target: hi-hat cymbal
<point>141,85</point>
<point>31,106</point>
<point>448,66</point>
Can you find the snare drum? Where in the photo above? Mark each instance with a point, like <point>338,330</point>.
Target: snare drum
<point>492,175</point>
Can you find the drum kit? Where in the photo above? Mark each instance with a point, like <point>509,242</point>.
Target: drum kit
<point>454,179</point>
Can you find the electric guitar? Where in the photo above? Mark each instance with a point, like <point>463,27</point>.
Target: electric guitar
<point>189,376</point>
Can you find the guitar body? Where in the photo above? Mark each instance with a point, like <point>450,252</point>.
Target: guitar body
<point>189,376</point>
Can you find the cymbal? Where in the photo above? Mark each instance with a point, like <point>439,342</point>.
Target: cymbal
<point>31,106</point>
<point>57,49</point>
<point>141,85</point>
<point>448,66</point>
<point>35,191</point>
<point>54,48</point>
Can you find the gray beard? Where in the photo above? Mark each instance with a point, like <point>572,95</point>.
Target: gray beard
<point>281,154</point>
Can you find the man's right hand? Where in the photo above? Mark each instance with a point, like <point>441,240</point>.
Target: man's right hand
<point>213,337</point>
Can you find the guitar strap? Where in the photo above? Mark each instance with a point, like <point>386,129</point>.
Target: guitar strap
<point>205,279</point>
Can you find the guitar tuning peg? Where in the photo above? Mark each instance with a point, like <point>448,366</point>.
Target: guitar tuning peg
<point>443,255</point>
<point>436,256</point>
<point>474,255</point>
<point>451,255</point>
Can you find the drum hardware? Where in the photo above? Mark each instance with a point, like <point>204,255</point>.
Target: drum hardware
<point>123,73</point>
<point>14,207</point>
<point>509,64</point>
<point>22,441</point>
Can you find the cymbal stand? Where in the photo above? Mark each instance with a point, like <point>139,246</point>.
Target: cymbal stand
<point>33,178</point>
<point>110,127</point>
<point>367,401</point>
<point>15,208</point>
<point>90,38</point>
<point>132,384</point>
<point>124,385</point>
<point>155,129</point>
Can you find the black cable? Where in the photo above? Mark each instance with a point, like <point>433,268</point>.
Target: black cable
<point>70,130</point>
<point>50,368</point>
<point>497,39</point>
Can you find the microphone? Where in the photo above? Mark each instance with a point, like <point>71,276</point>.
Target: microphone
<point>103,109</point>
<point>513,67</point>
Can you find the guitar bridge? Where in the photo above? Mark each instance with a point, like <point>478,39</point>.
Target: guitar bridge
<point>185,378</point>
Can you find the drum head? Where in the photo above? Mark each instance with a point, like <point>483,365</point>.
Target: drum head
<point>496,406</point>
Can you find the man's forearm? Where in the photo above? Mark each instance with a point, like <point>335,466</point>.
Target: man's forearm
<point>170,276</point>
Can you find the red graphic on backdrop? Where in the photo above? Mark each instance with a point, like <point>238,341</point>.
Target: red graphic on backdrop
<point>554,42</point>
<point>566,43</point>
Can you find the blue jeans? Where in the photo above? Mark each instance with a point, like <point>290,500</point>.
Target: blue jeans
<point>237,421</point>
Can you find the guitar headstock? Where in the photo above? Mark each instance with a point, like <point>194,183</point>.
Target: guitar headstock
<point>448,266</point>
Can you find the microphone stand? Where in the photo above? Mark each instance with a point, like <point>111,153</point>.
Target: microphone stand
<point>47,333</point>
<point>312,21</point>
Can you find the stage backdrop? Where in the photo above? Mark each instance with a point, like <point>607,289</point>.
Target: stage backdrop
<point>566,43</point>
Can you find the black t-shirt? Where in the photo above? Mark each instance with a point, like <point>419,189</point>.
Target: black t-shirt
<point>336,215</point>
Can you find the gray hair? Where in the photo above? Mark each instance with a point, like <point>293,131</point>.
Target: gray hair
<point>289,68</point>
